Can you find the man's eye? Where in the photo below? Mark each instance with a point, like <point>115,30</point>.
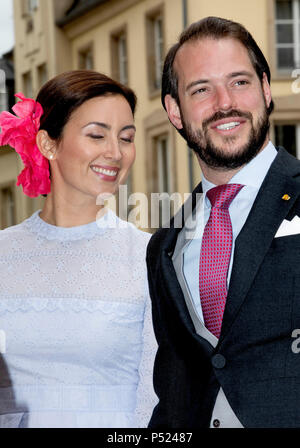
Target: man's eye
<point>201,90</point>
<point>242,82</point>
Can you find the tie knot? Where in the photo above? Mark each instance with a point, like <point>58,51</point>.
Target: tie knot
<point>222,195</point>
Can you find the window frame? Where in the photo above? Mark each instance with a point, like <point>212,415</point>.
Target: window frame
<point>42,74</point>
<point>283,73</point>
<point>29,7</point>
<point>157,125</point>
<point>154,49</point>
<point>4,106</point>
<point>32,5</point>
<point>297,132</point>
<point>5,186</point>
<point>116,63</point>
<point>158,144</point>
<point>82,52</point>
<point>27,82</point>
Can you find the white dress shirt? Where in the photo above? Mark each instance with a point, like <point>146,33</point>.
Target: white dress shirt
<point>252,176</point>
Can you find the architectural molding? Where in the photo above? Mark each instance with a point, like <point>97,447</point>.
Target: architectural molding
<point>287,108</point>
<point>95,17</point>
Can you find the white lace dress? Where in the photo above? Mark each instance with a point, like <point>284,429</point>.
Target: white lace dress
<point>76,340</point>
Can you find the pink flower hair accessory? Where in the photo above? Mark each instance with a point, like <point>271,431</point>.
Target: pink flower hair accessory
<point>19,131</point>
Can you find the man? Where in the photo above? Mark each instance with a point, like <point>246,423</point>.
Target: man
<point>225,284</point>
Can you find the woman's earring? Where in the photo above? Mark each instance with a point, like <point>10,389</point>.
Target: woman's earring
<point>51,156</point>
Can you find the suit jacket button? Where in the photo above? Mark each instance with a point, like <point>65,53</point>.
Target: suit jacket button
<point>216,423</point>
<point>218,361</point>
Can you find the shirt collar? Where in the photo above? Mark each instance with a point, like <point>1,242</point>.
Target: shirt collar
<point>251,174</point>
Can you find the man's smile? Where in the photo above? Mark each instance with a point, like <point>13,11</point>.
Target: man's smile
<point>228,126</point>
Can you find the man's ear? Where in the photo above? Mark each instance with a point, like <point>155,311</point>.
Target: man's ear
<point>46,145</point>
<point>266,90</point>
<point>173,111</point>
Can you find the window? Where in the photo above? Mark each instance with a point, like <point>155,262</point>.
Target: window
<point>86,58</point>
<point>119,56</point>
<point>3,101</point>
<point>7,205</point>
<point>42,74</point>
<point>27,85</point>
<point>32,5</point>
<point>122,199</point>
<point>3,80</point>
<point>163,164</point>
<point>29,6</point>
<point>287,23</point>
<point>161,168</point>
<point>288,136</point>
<point>161,205</point>
<point>158,50</point>
<point>28,9</point>
<point>155,53</point>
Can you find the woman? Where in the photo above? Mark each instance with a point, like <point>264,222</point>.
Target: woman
<point>73,294</point>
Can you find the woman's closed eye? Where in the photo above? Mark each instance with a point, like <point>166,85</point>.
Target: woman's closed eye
<point>127,139</point>
<point>95,136</point>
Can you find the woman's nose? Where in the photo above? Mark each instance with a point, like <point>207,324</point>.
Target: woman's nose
<point>113,150</point>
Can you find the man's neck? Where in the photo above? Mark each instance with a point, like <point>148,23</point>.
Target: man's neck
<point>217,176</point>
<point>221,176</point>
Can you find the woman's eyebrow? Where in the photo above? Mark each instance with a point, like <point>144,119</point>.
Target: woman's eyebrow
<point>129,126</point>
<point>97,123</point>
<point>107,126</point>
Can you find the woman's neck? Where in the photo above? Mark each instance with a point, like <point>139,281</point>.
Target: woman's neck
<point>63,213</point>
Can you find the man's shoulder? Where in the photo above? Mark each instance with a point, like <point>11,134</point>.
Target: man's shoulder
<point>286,169</point>
<point>171,230</point>
<point>156,240</point>
<point>286,162</point>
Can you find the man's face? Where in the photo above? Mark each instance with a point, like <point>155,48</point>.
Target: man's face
<point>223,104</point>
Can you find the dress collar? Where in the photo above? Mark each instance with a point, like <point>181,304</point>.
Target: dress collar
<point>37,225</point>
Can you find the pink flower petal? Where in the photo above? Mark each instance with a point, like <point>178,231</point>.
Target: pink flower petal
<point>20,133</point>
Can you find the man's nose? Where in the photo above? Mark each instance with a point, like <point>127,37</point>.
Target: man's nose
<point>224,99</point>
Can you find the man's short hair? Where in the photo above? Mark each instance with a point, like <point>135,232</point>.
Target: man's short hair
<point>215,28</point>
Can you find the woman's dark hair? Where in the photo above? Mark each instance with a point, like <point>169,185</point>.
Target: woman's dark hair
<point>215,28</point>
<point>64,93</point>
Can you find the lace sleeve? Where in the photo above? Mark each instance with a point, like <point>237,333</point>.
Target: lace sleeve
<point>146,397</point>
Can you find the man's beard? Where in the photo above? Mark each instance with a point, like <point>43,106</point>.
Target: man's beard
<point>215,156</point>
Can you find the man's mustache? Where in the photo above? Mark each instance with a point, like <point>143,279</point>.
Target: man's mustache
<point>222,115</point>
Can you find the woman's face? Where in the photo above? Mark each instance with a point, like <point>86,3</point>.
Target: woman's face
<point>96,150</point>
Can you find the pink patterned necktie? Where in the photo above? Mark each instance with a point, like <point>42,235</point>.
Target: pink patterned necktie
<point>215,256</point>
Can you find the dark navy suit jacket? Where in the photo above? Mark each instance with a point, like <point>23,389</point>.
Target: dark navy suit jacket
<point>255,364</point>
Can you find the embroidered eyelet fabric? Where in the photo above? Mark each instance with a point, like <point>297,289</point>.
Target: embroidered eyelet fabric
<point>75,320</point>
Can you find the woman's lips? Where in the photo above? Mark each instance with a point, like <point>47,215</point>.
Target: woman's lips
<point>107,173</point>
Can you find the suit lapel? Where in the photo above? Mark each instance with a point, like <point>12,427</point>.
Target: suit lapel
<point>173,290</point>
<point>254,240</point>
<point>168,274</point>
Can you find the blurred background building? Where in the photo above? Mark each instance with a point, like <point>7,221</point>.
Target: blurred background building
<point>128,39</point>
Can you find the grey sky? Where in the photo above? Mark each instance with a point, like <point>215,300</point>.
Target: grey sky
<point>6,26</point>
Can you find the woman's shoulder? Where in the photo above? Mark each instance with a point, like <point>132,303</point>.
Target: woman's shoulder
<point>133,232</point>
<point>124,228</point>
<point>15,238</point>
<point>12,231</point>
